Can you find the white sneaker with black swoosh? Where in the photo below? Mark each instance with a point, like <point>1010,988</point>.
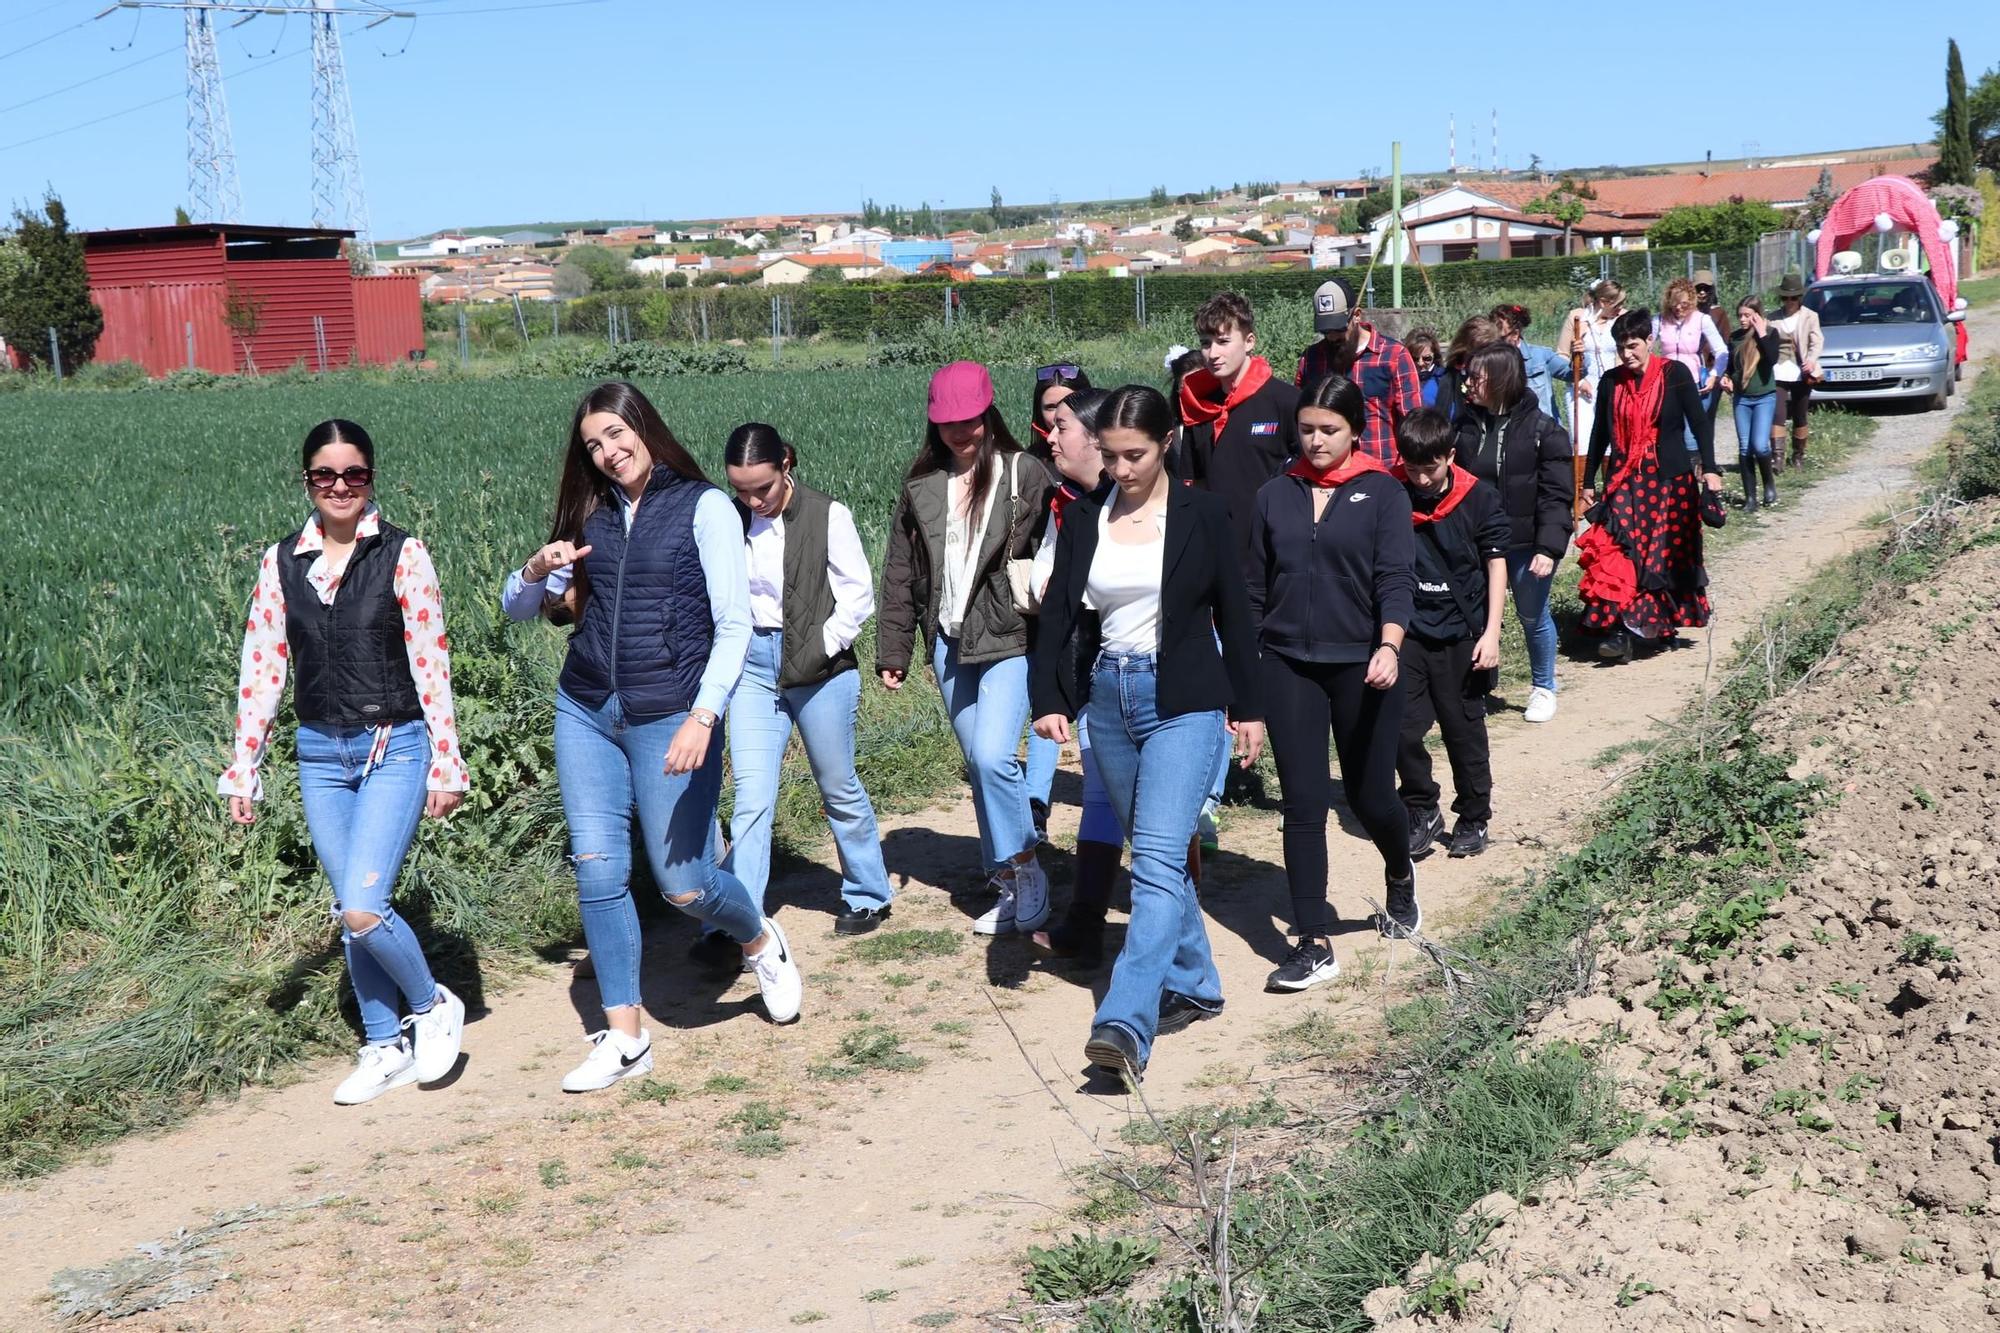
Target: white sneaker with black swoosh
<point>377,1069</point>
<point>778,975</point>
<point>613,1056</point>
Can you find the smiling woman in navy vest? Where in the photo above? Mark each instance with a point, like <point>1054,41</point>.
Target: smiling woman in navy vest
<point>351,605</point>
<point>646,558</point>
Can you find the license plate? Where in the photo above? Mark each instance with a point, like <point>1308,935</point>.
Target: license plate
<point>1842,376</point>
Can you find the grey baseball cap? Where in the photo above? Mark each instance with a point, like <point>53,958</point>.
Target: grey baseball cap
<point>1333,305</point>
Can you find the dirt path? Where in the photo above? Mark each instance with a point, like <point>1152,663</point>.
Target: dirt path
<point>882,1162</point>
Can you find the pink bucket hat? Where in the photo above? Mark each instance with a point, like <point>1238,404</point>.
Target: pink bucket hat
<point>960,391</point>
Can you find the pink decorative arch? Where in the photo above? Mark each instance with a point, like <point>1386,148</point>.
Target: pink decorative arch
<point>1903,200</point>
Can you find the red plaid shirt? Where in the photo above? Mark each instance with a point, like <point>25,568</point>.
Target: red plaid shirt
<point>1388,378</point>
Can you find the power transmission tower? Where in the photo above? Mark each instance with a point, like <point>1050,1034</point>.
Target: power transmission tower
<point>338,196</point>
<point>214,192</point>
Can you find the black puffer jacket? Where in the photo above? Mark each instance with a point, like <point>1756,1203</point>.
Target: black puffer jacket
<point>1526,456</point>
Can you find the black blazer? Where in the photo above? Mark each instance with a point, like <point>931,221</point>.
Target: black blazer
<point>1201,592</point>
<point>1680,407</point>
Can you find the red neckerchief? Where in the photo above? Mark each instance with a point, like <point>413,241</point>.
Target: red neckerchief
<point>1355,465</point>
<point>1461,486</point>
<point>1198,394</point>
<point>1635,417</point>
<point>1063,496</point>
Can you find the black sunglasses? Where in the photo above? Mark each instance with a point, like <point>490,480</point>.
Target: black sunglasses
<point>1061,370</point>
<point>323,478</point>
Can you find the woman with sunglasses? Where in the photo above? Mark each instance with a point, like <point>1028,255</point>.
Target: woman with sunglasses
<point>1429,356</point>
<point>1053,383</point>
<point>646,558</point>
<point>352,605</point>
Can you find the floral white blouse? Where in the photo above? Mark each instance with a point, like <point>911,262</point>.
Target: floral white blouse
<point>261,679</point>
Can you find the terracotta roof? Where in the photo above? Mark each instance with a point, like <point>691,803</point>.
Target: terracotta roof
<point>1650,196</point>
<point>993,251</point>
<point>848,259</point>
<point>1105,261</point>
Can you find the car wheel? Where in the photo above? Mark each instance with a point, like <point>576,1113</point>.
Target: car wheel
<point>1939,401</point>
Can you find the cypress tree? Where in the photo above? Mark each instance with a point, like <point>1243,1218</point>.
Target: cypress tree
<point>1954,164</point>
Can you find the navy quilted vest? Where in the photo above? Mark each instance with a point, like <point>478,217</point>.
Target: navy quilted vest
<point>646,626</point>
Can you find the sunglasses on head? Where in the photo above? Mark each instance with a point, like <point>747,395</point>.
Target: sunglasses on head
<point>1060,370</point>
<point>323,478</point>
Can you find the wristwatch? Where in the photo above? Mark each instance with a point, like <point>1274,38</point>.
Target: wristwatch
<point>703,716</point>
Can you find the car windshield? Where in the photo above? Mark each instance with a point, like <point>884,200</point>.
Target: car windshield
<point>1862,303</point>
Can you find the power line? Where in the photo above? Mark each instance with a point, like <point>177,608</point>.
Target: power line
<point>71,87</point>
<point>18,18</point>
<point>142,106</point>
<point>39,41</point>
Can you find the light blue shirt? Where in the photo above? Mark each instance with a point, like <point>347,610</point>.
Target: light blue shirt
<point>718,541</point>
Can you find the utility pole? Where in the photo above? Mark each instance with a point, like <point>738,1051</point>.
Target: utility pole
<point>337,190</point>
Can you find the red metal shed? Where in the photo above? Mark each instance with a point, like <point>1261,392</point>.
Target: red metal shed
<point>168,294</point>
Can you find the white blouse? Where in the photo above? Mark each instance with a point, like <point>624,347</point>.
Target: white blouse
<point>846,570</point>
<point>1124,587</point>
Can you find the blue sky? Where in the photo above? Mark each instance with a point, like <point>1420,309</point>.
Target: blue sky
<point>494,111</point>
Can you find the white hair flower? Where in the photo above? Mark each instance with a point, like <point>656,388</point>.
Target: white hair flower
<point>1174,353</point>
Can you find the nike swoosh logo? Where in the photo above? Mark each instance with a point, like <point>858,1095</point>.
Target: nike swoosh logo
<point>1357,499</point>
<point>627,1061</point>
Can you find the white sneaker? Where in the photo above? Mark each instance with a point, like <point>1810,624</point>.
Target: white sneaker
<point>1541,705</point>
<point>438,1033</point>
<point>377,1069</point>
<point>1031,897</point>
<point>778,976</point>
<point>613,1056</point>
<point>999,918</point>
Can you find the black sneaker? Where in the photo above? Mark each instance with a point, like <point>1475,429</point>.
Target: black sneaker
<point>1426,830</point>
<point>712,948</point>
<point>1467,839</point>
<point>1615,646</point>
<point>1113,1049</point>
<point>1039,812</point>
<point>1177,1012</point>
<point>860,920</point>
<point>1308,964</point>
<point>1402,915</point>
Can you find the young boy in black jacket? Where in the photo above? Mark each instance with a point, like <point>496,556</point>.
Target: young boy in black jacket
<point>1239,422</point>
<point>1453,643</point>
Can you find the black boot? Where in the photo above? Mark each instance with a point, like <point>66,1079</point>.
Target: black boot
<point>1770,483</point>
<point>1080,933</point>
<point>1748,471</point>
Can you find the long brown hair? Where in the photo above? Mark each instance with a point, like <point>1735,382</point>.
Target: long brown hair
<point>582,489</point>
<point>935,455</point>
<point>1473,334</point>
<point>1750,357</point>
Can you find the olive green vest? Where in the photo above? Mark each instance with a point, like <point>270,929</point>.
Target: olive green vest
<point>808,601</point>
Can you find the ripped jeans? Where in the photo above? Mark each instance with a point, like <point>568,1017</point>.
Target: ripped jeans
<point>607,765</point>
<point>362,825</point>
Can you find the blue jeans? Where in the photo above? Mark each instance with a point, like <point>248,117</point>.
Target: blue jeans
<point>1100,820</point>
<point>1707,406</point>
<point>606,765</point>
<point>988,705</point>
<point>1156,771</point>
<point>1041,767</point>
<point>1531,606</point>
<point>761,717</point>
<point>362,824</point>
<point>1753,425</point>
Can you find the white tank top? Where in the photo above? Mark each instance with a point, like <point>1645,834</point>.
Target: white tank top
<point>1124,588</point>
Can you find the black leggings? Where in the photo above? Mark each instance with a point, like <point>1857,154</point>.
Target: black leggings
<point>1304,703</point>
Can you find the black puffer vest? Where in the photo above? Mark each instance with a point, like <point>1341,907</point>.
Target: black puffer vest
<point>349,663</point>
<point>646,627</point>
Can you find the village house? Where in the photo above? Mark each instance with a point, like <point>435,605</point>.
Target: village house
<point>793,269</point>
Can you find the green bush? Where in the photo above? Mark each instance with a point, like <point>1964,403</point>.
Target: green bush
<point>1086,1266</point>
<point>110,375</point>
